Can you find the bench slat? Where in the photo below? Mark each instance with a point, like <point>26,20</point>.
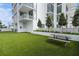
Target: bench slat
<point>60,40</point>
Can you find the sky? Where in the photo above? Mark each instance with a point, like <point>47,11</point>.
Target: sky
<point>6,13</point>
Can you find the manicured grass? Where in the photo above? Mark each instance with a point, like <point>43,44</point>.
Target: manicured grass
<point>27,44</point>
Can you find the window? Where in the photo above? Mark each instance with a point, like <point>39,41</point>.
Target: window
<point>77,4</point>
<point>15,5</point>
<point>59,3</point>
<point>43,26</point>
<point>51,15</point>
<point>20,3</point>
<point>58,16</point>
<point>57,26</point>
<point>50,7</point>
<point>66,16</point>
<point>31,12</point>
<point>59,9</point>
<point>21,13</point>
<point>20,27</point>
<point>66,8</point>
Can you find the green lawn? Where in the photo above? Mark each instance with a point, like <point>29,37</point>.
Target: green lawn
<point>24,44</point>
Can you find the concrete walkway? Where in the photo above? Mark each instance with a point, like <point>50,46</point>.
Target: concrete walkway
<point>73,37</point>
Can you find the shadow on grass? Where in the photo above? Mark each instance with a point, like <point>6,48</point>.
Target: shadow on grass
<point>75,47</point>
<point>57,43</point>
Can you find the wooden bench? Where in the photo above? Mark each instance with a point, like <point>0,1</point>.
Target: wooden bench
<point>61,38</point>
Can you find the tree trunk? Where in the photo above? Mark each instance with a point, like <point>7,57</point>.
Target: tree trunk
<point>61,29</point>
<point>48,29</point>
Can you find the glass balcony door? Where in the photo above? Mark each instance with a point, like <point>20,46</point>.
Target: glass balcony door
<point>26,15</point>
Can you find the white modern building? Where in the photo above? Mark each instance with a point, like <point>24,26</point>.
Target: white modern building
<point>26,15</point>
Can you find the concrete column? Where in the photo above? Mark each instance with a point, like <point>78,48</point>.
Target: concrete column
<point>34,21</point>
<point>64,9</point>
<point>18,14</point>
<point>55,15</point>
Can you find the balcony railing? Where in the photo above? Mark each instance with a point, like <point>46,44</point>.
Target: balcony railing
<point>27,4</point>
<point>26,16</point>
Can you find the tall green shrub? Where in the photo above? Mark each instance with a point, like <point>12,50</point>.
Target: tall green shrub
<point>39,24</point>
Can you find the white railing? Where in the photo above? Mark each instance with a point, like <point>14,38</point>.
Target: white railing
<point>5,29</point>
<point>26,16</point>
<point>29,4</point>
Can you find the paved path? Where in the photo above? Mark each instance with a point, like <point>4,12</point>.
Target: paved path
<point>73,37</point>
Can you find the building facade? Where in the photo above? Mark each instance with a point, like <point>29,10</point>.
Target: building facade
<point>26,15</point>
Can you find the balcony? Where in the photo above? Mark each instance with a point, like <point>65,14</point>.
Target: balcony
<point>29,5</point>
<point>26,17</point>
<point>26,7</point>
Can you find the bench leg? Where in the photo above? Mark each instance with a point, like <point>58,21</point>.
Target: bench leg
<point>65,44</point>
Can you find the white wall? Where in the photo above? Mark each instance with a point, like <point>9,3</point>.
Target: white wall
<point>70,14</point>
<point>41,14</point>
<point>27,26</point>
